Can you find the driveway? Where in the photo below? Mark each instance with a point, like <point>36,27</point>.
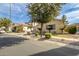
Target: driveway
<point>17,46</point>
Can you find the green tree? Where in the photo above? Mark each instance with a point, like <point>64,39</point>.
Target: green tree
<point>5,22</point>
<point>44,12</point>
<point>65,22</point>
<point>19,28</point>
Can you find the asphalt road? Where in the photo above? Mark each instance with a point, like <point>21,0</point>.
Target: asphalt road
<point>17,46</point>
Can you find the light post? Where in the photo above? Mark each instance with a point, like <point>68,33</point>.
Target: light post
<point>10,16</point>
<point>10,11</point>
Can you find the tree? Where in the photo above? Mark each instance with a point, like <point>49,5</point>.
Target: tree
<point>5,22</point>
<point>71,29</point>
<point>44,12</point>
<point>19,28</point>
<point>65,22</point>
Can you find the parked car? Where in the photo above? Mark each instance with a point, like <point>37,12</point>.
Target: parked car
<point>2,31</point>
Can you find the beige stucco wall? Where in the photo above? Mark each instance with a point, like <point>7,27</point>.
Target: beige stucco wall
<point>58,25</point>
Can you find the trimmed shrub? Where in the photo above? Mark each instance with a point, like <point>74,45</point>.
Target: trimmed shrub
<point>36,34</point>
<point>28,33</point>
<point>72,29</point>
<point>48,35</point>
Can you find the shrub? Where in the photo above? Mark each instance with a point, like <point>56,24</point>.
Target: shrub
<point>36,34</point>
<point>29,26</point>
<point>48,35</point>
<point>18,28</point>
<point>28,33</point>
<point>72,29</point>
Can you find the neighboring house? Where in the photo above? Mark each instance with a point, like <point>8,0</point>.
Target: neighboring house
<point>25,27</point>
<point>55,24</point>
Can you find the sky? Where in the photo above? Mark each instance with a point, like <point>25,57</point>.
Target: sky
<point>19,12</point>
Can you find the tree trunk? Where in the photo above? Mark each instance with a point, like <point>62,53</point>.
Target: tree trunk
<point>62,31</point>
<point>49,31</point>
<point>41,29</point>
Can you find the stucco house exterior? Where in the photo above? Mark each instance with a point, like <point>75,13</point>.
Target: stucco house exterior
<point>55,24</point>
<point>24,25</point>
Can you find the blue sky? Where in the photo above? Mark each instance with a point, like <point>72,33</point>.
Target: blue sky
<point>20,12</point>
<point>71,11</point>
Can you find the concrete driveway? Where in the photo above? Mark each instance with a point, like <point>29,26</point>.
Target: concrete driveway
<point>18,46</point>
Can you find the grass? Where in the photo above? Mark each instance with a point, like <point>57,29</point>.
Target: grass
<point>67,35</point>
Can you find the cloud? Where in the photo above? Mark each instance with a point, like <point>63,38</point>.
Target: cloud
<point>67,7</point>
<point>20,12</point>
<point>71,11</point>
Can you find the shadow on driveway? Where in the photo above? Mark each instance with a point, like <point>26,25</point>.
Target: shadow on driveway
<point>9,41</point>
<point>66,41</point>
<point>61,51</point>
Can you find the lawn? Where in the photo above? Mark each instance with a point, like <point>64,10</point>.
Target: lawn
<point>67,36</point>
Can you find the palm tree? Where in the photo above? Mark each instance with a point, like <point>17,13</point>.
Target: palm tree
<point>10,10</point>
<point>5,22</point>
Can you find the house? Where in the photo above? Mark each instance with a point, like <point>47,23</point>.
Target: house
<point>26,27</point>
<point>55,25</point>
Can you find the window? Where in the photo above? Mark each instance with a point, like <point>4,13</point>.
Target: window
<point>50,27</point>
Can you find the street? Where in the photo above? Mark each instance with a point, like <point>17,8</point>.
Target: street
<point>11,45</point>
